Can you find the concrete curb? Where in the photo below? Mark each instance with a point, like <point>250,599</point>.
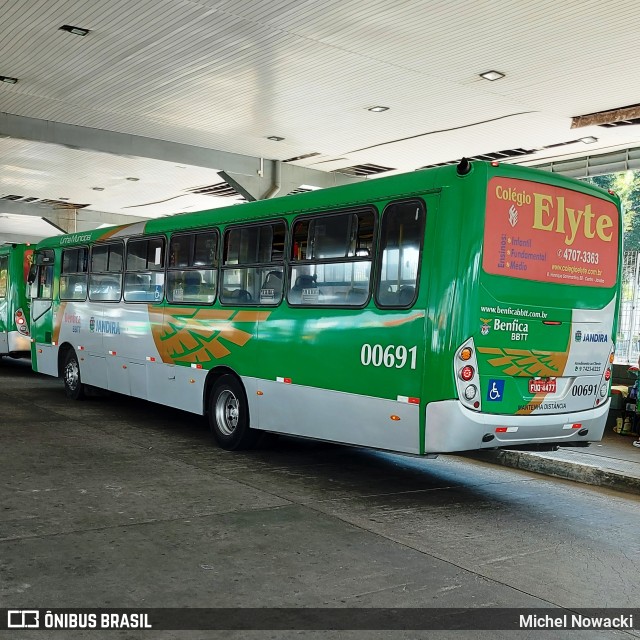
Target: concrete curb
<point>578,472</point>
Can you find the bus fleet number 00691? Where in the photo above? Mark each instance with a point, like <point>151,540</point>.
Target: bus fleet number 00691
<point>389,356</point>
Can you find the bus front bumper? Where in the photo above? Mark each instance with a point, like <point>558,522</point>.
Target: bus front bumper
<point>452,427</point>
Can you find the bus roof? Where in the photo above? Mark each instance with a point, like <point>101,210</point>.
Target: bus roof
<point>359,193</point>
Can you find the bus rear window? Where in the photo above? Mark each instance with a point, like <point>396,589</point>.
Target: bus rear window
<point>535,231</point>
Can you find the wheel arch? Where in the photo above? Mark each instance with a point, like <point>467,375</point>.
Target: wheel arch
<point>63,350</point>
<point>212,377</point>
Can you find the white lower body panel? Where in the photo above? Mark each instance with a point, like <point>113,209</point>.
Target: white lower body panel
<point>333,415</point>
<point>452,427</point>
<point>18,342</point>
<point>47,359</point>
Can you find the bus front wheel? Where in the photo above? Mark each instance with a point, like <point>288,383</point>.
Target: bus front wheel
<point>73,386</point>
<point>229,415</point>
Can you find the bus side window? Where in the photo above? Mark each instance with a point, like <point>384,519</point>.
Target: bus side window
<point>105,279</point>
<point>253,266</point>
<point>400,250</point>
<point>144,272</point>
<point>331,257</point>
<point>73,276</point>
<point>193,267</point>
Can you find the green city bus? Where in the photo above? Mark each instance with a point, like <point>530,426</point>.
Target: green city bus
<point>462,307</point>
<point>15,260</point>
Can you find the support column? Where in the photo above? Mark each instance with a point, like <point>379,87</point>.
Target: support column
<point>277,178</point>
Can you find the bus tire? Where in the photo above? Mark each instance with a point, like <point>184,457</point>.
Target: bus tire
<point>73,386</point>
<point>229,415</point>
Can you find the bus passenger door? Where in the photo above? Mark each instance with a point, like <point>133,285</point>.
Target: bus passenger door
<point>41,289</point>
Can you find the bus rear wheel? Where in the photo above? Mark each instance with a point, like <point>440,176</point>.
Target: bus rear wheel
<point>229,415</point>
<point>73,386</point>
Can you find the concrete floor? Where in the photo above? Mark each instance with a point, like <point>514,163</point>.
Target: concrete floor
<point>114,502</point>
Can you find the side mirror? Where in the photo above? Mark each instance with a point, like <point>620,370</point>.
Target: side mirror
<point>33,274</point>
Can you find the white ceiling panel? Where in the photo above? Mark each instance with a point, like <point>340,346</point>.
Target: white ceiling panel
<point>22,228</point>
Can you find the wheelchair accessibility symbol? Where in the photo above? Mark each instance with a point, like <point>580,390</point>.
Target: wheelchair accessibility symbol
<point>495,391</point>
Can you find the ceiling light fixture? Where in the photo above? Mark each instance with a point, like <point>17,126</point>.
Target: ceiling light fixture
<point>378,109</point>
<point>8,80</point>
<point>492,75</point>
<point>588,139</point>
<point>77,31</point>
<point>275,138</point>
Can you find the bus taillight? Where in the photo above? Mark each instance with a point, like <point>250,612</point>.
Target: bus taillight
<point>21,322</point>
<point>466,373</point>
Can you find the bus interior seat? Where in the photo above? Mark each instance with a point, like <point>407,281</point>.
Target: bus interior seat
<point>303,282</point>
<point>356,296</point>
<point>192,283</point>
<point>386,295</point>
<point>240,295</point>
<point>273,281</point>
<point>271,290</point>
<point>406,295</point>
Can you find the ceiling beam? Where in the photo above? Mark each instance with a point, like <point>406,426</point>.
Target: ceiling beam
<point>123,144</point>
<point>66,219</point>
<point>606,117</point>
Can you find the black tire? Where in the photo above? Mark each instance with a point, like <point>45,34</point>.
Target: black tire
<point>229,415</point>
<point>73,386</point>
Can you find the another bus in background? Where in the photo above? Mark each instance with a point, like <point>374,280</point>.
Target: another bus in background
<point>15,261</point>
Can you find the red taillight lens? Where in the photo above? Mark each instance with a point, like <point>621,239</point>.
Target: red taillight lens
<point>21,322</point>
<point>466,373</point>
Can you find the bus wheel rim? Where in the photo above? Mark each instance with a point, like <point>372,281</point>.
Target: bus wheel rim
<point>227,412</point>
<point>71,374</point>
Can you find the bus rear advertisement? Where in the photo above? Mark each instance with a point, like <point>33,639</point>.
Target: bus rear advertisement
<point>450,309</point>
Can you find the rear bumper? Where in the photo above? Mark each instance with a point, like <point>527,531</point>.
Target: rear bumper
<point>452,427</point>
<point>18,342</point>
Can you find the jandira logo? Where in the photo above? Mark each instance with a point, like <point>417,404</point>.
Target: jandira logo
<point>92,324</point>
<point>578,335</point>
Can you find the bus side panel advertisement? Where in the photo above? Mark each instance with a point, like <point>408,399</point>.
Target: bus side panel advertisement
<point>540,232</point>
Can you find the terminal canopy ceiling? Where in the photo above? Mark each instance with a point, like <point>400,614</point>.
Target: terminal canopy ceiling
<point>296,81</point>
